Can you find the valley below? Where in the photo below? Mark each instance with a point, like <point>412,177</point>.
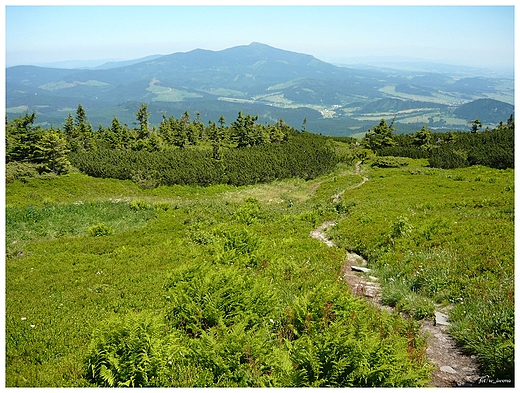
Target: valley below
<point>268,82</point>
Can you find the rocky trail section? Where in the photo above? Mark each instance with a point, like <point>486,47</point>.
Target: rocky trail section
<point>452,366</point>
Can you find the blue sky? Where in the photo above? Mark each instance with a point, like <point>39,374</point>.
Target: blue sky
<point>466,35</point>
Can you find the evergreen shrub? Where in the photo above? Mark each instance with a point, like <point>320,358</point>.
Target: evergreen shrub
<point>302,156</point>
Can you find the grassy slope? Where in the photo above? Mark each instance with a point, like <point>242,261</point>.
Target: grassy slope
<point>444,237</point>
<point>55,285</point>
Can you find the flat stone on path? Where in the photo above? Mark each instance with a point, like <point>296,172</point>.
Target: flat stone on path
<point>448,369</point>
<point>360,269</point>
<point>441,319</point>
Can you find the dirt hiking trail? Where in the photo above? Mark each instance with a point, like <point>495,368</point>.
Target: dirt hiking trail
<point>452,367</point>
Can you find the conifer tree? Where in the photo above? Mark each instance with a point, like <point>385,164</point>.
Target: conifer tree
<point>198,128</point>
<point>179,130</point>
<point>423,138</point>
<point>379,136</point>
<point>78,131</point>
<point>142,117</point>
<point>51,152</point>
<point>20,138</point>
<point>244,130</point>
<point>165,131</point>
<point>476,125</point>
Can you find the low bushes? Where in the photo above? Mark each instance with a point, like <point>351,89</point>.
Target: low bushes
<point>492,148</point>
<point>304,156</point>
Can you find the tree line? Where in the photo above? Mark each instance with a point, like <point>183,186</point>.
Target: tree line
<point>177,151</point>
<point>491,147</point>
<point>186,151</point>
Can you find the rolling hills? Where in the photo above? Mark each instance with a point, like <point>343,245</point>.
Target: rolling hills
<point>259,79</point>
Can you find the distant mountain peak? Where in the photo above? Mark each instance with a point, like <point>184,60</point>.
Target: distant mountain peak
<point>256,44</point>
<point>255,77</point>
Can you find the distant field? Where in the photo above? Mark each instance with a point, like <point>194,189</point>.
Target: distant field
<point>170,95</point>
<point>17,109</point>
<point>225,92</point>
<point>65,85</point>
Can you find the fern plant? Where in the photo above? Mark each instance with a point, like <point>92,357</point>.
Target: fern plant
<point>127,352</point>
<point>100,229</point>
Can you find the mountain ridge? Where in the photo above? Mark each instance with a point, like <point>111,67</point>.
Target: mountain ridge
<point>255,78</point>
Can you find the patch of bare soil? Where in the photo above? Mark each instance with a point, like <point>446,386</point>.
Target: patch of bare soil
<point>319,233</point>
<point>452,367</point>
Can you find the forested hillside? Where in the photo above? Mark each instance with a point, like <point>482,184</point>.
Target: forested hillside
<point>487,110</point>
<point>257,78</point>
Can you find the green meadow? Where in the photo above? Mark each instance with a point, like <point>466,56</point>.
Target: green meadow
<point>110,284</point>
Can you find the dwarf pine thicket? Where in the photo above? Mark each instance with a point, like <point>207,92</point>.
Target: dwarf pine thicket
<point>140,276</point>
<point>492,147</point>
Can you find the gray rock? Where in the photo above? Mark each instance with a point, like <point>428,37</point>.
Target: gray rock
<point>441,319</point>
<point>448,369</point>
<point>355,258</point>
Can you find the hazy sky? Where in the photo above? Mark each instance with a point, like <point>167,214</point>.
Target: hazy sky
<point>465,35</point>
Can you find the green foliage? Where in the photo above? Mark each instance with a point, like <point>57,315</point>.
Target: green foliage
<point>389,162</point>
<point>142,117</point>
<point>205,296</point>
<point>100,229</point>
<point>238,246</point>
<point>117,136</point>
<point>22,171</point>
<point>486,326</point>
<point>379,136</point>
<point>78,131</point>
<point>126,352</point>
<point>21,137</point>
<point>53,221</point>
<point>493,148</point>
<point>302,156</point>
<point>423,138</point>
<point>51,152</point>
<point>224,287</point>
<point>233,325</point>
<point>399,296</point>
<point>250,212</point>
<point>330,358</point>
<point>401,228</point>
<point>239,357</point>
<point>455,249</point>
<point>138,204</point>
<point>333,345</point>
<point>123,153</point>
